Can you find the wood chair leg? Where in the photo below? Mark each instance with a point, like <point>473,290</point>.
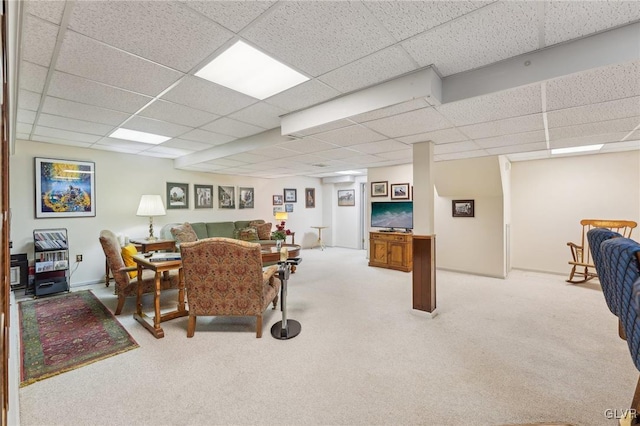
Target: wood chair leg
<point>191,325</point>
<point>121,300</point>
<point>258,326</point>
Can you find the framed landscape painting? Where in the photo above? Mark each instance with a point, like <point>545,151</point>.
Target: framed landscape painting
<point>177,195</point>
<point>346,197</point>
<point>203,196</point>
<point>226,197</point>
<point>462,208</point>
<point>399,191</point>
<point>64,188</point>
<point>245,198</point>
<point>379,189</point>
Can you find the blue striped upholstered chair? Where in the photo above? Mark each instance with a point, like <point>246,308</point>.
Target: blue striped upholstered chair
<point>596,237</point>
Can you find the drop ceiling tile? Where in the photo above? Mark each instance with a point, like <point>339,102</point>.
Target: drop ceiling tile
<point>246,158</point>
<point>186,145</point>
<point>73,125</point>
<point>449,148</point>
<point>594,86</point>
<point>268,165</point>
<point>122,143</point>
<point>32,76</point>
<point>511,149</point>
<point>324,127</point>
<point>306,159</point>
<point>45,9</point>
<point>307,145</point>
<point>64,134</point>
<point>377,147</point>
<point>260,114</point>
<point>22,136</point>
<point>28,100</point>
<point>525,123</point>
<point>624,125</point>
<point>303,95</point>
<point>567,20</point>
<point>390,111</point>
<point>234,15</point>
<point>410,123</point>
<point>587,140</point>
<point>493,33</point>
<point>406,19</point>
<point>351,135</point>
<point>156,154</point>
<point>274,152</point>
<point>619,108</point>
<point>24,128</point>
<point>225,162</point>
<point>91,59</point>
<point>228,126</point>
<point>210,138</point>
<point>527,156</point>
<point>463,154</point>
<point>56,141</point>
<point>514,139</point>
<point>291,32</point>
<point>168,152</point>
<point>375,68</point>
<point>176,113</point>
<point>149,125</point>
<point>165,32</point>
<point>403,154</point>
<point>65,108</point>
<point>494,106</point>
<point>25,116</point>
<point>39,40</point>
<point>114,148</point>
<point>201,94</point>
<point>363,160</point>
<point>338,154</point>
<point>439,136</point>
<point>77,89</point>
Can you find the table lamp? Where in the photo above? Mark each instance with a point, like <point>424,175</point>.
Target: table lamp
<point>282,217</point>
<point>151,205</point>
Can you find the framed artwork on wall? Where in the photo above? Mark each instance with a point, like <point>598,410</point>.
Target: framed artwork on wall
<point>290,195</point>
<point>399,191</point>
<point>245,198</point>
<point>309,198</point>
<point>226,197</point>
<point>288,208</point>
<point>379,189</point>
<point>346,197</point>
<point>64,188</point>
<point>462,208</point>
<point>177,195</point>
<point>278,200</point>
<point>278,209</point>
<point>203,196</point>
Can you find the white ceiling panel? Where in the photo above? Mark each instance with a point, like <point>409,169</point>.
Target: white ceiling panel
<point>587,140</point>
<point>22,136</point>
<point>594,86</point>
<point>621,146</point>
<point>187,145</point>
<point>121,143</point>
<point>201,94</point>
<point>514,139</point>
<point>246,158</point>
<point>377,147</point>
<point>97,61</point>
<point>525,123</point>
<point>495,106</point>
<point>48,10</point>
<point>177,113</point>
<point>410,123</point>
<point>510,149</point>
<point>23,128</point>
<point>149,125</point>
<point>611,110</point>
<point>525,156</point>
<point>28,100</point>
<point>115,148</point>
<point>351,135</point>
<point>363,160</point>
<point>65,108</point>
<point>65,134</point>
<point>325,127</point>
<point>274,152</point>
<point>226,162</point>
<point>234,15</point>
<point>471,42</point>
<point>308,159</point>
<point>39,41</point>
<point>595,128</point>
<point>403,154</point>
<point>56,141</point>
<point>228,126</point>
<point>74,125</point>
<point>210,138</point>
<point>165,32</point>
<point>463,155</point>
<point>566,20</point>
<point>391,110</point>
<point>32,76</point>
<point>370,70</point>
<point>406,19</point>
<point>25,116</point>
<point>303,95</point>
<point>307,145</point>
<point>338,153</point>
<point>260,114</point>
<point>439,136</point>
<point>286,33</point>
<point>168,152</point>
<point>77,89</point>
<point>448,148</point>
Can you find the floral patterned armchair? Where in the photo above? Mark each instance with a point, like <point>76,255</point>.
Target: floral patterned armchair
<point>126,285</point>
<point>224,277</point>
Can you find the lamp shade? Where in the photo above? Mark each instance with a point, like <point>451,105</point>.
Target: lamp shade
<point>282,216</point>
<point>151,205</point>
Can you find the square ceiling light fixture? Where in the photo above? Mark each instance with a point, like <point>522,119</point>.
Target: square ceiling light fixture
<point>576,149</point>
<point>134,135</point>
<point>247,70</point>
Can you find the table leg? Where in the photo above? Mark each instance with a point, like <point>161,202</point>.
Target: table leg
<point>107,272</point>
<point>156,303</point>
<point>140,316</point>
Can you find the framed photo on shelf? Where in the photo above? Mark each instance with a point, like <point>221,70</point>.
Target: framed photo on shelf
<point>245,198</point>
<point>290,195</point>
<point>462,208</point>
<point>278,200</point>
<point>399,191</point>
<point>309,198</point>
<point>203,196</point>
<point>379,189</point>
<point>346,197</point>
<point>226,197</point>
<point>64,188</point>
<point>177,195</point>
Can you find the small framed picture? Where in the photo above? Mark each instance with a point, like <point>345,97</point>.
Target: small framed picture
<point>245,198</point>
<point>399,191</point>
<point>462,208</point>
<point>226,197</point>
<point>203,196</point>
<point>288,208</point>
<point>278,200</point>
<point>379,189</point>
<point>278,209</point>
<point>177,195</point>
<point>346,197</point>
<point>309,198</point>
<point>290,195</point>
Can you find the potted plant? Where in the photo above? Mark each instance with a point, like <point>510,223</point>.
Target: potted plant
<point>278,235</point>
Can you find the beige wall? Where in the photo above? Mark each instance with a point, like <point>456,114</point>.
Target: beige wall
<point>550,197</point>
<point>120,180</point>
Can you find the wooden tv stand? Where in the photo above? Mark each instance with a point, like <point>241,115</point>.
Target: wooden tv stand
<point>392,250</point>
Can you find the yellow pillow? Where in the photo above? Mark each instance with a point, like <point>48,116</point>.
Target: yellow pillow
<point>127,255</point>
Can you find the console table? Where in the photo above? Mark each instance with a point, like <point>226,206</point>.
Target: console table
<point>392,250</point>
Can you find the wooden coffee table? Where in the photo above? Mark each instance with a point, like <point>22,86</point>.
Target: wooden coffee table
<point>271,254</point>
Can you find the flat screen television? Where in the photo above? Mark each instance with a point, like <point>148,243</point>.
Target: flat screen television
<point>392,214</point>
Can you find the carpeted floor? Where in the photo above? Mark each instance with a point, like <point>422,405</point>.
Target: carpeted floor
<point>64,332</point>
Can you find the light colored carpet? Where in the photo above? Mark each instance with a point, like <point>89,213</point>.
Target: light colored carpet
<point>528,349</point>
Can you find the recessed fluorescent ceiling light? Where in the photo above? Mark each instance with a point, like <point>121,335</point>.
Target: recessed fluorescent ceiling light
<point>134,135</point>
<point>249,71</point>
<point>575,149</point>
<point>349,172</point>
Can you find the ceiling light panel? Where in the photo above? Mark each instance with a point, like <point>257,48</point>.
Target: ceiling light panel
<point>576,149</point>
<point>137,136</point>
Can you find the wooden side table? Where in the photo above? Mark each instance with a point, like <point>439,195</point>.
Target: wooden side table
<point>320,242</point>
<point>143,245</point>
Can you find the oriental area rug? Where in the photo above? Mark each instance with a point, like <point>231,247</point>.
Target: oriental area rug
<point>62,333</point>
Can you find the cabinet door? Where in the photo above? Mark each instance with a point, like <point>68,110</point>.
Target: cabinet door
<point>397,254</point>
<point>378,251</point>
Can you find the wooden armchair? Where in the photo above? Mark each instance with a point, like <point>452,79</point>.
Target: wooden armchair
<point>583,269</point>
<point>224,277</point>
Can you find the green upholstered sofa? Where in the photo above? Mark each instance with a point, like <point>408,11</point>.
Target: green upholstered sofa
<point>212,229</point>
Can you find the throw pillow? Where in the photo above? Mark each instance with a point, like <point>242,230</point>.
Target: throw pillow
<point>264,231</point>
<point>248,234</point>
<point>127,255</point>
<point>184,233</point>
